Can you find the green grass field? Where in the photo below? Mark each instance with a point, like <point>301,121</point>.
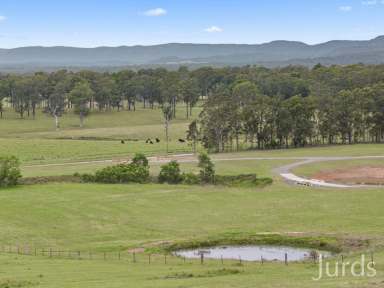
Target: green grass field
<point>111,218</point>
<point>36,141</point>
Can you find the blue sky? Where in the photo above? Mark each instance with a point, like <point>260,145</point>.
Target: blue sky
<point>90,23</point>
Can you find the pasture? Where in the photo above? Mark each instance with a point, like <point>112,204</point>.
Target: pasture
<point>102,218</point>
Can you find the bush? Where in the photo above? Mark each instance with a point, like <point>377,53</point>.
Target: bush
<point>191,179</point>
<point>135,172</point>
<point>122,173</point>
<point>207,172</point>
<point>170,173</point>
<point>9,171</point>
<point>140,159</point>
<point>242,180</point>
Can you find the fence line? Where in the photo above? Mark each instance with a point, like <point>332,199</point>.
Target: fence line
<point>132,257</point>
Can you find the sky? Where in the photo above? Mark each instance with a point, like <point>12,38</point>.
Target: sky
<point>92,23</point>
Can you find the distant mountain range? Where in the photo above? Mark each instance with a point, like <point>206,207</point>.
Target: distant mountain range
<point>273,54</point>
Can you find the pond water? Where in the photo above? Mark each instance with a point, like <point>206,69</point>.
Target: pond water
<point>250,253</point>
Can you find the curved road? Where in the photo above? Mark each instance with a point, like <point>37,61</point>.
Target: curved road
<point>285,172</point>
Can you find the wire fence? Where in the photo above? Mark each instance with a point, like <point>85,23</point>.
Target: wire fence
<point>133,257</point>
<point>148,258</point>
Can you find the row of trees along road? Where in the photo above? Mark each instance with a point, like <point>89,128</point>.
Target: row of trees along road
<point>243,106</point>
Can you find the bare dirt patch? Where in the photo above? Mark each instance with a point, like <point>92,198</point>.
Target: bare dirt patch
<point>371,175</point>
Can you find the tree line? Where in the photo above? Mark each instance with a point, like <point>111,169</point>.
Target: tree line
<point>246,106</point>
<point>85,91</point>
<point>294,107</point>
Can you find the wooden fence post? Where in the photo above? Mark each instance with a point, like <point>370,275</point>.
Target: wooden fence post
<point>372,261</point>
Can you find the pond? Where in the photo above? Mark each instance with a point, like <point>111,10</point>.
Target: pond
<point>250,253</point>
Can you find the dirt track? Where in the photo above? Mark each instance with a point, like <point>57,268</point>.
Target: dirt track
<point>284,171</point>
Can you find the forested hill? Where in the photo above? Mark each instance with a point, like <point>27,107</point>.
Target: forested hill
<point>273,54</point>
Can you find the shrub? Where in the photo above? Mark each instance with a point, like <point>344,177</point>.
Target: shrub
<point>207,169</point>
<point>9,171</point>
<point>135,172</point>
<point>88,178</point>
<point>242,180</point>
<point>122,173</point>
<point>191,179</point>
<point>140,159</point>
<point>170,173</point>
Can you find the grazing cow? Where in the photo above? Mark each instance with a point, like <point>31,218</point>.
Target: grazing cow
<point>157,140</point>
<point>181,140</point>
<point>148,141</point>
<point>122,142</point>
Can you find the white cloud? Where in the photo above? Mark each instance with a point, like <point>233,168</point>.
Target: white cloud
<point>155,12</point>
<point>345,8</point>
<point>213,29</point>
<point>2,18</point>
<point>370,2</point>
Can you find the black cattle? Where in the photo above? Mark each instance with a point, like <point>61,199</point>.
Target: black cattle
<point>157,140</point>
<point>181,140</point>
<point>148,141</point>
<point>122,142</point>
<point>151,142</point>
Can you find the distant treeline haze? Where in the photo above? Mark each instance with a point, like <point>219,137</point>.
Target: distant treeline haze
<point>243,107</point>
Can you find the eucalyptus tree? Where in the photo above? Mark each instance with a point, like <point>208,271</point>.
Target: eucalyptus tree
<point>167,110</point>
<point>126,87</point>
<point>80,96</point>
<point>170,90</point>
<point>106,94</point>
<point>376,119</point>
<point>193,134</point>
<point>4,93</point>
<point>189,93</point>
<point>21,89</point>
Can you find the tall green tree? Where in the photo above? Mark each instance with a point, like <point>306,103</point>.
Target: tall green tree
<point>80,97</point>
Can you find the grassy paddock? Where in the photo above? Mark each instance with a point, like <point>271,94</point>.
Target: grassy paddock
<point>26,271</point>
<point>12,126</point>
<point>114,217</point>
<point>56,151</point>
